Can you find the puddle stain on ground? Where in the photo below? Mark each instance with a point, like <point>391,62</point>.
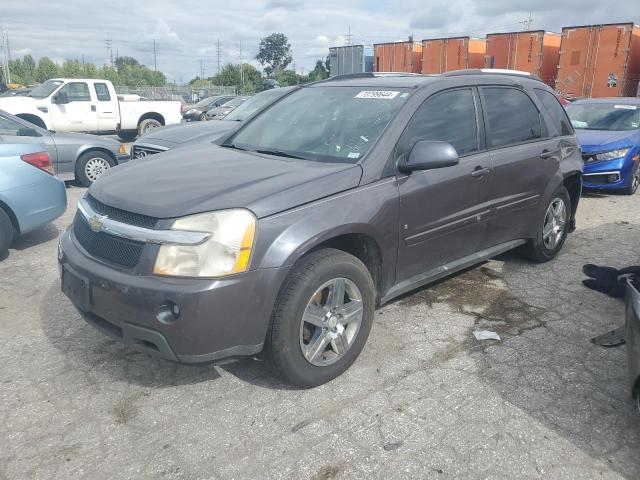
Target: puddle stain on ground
<point>126,409</point>
<point>482,294</point>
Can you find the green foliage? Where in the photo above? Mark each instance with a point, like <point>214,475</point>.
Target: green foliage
<point>319,72</point>
<point>274,53</point>
<point>126,71</point>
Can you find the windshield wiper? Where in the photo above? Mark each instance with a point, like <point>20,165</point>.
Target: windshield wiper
<point>234,146</point>
<point>281,153</point>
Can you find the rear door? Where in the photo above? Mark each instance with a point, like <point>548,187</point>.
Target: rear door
<point>524,159</point>
<point>443,212</point>
<point>106,106</point>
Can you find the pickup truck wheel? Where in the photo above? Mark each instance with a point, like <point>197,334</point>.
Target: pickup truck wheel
<point>128,136</point>
<point>147,125</point>
<point>552,230</point>
<point>322,318</point>
<point>91,166</point>
<point>7,232</point>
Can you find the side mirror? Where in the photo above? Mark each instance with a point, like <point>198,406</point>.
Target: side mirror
<point>428,154</point>
<point>60,98</point>
<point>28,132</point>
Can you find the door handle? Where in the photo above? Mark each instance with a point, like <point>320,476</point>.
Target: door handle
<point>480,172</point>
<point>547,154</point>
<point>93,108</point>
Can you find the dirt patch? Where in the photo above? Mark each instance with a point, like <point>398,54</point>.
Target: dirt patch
<point>126,409</point>
<point>327,472</point>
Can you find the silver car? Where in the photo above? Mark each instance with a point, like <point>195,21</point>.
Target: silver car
<point>75,156</point>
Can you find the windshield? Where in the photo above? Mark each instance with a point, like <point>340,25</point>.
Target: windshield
<point>206,102</point>
<point>604,116</point>
<point>45,89</point>
<point>330,124</point>
<point>235,102</point>
<point>256,103</point>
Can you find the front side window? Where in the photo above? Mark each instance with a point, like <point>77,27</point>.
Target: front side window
<point>77,92</point>
<point>512,117</point>
<point>605,116</point>
<point>446,117</point>
<point>102,92</point>
<point>322,123</point>
<point>556,111</point>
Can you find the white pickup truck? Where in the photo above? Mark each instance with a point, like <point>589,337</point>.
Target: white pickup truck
<point>90,105</point>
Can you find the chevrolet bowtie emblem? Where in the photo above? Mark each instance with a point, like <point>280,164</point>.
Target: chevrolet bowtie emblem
<point>96,222</point>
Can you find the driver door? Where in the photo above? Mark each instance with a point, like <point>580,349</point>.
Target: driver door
<point>443,211</point>
<point>78,113</point>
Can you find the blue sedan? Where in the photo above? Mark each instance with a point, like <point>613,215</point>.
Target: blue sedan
<point>30,194</point>
<point>608,130</point>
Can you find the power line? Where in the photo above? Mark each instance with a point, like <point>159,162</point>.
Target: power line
<point>527,22</point>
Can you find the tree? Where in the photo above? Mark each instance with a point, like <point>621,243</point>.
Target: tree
<point>72,69</point>
<point>121,62</point>
<point>286,78</point>
<point>319,72</point>
<point>28,69</point>
<point>46,69</point>
<point>274,53</point>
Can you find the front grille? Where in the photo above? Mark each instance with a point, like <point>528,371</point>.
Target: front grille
<point>116,250</point>
<point>121,215</point>
<point>599,179</point>
<point>141,151</point>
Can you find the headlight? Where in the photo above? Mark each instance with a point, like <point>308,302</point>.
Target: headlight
<point>227,251</point>
<point>613,154</point>
<point>122,149</point>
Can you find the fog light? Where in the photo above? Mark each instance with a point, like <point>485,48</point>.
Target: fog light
<point>167,313</point>
<point>613,178</point>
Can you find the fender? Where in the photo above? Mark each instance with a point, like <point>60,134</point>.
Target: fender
<point>24,107</point>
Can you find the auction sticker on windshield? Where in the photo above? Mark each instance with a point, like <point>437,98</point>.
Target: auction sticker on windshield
<point>379,94</point>
<point>626,107</point>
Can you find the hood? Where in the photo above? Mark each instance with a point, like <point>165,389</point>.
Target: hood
<point>189,132</point>
<point>207,177</point>
<point>597,139</point>
<point>18,103</point>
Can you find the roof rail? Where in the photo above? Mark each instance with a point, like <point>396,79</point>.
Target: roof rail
<point>492,71</point>
<point>348,76</point>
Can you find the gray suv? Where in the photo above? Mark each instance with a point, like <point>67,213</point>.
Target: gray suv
<point>283,238</point>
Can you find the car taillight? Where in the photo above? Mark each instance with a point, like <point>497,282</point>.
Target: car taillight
<point>39,160</point>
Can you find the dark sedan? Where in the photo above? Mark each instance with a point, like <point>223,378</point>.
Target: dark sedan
<point>199,110</point>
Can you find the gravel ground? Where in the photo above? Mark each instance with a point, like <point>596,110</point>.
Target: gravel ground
<point>425,399</point>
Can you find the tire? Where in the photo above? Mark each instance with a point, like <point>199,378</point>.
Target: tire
<point>148,124</point>
<point>635,181</point>
<point>91,166</point>
<point>7,233</point>
<point>544,247</point>
<point>310,281</point>
<point>127,135</point>
<point>203,117</point>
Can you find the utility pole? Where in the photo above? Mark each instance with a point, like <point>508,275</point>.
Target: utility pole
<point>107,44</point>
<point>155,57</point>
<point>201,69</point>
<point>241,68</point>
<point>348,39</point>
<point>6,55</point>
<point>527,22</point>
<point>218,71</point>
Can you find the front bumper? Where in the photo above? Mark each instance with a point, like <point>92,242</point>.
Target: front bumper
<point>633,336</point>
<point>609,175</point>
<point>122,158</point>
<point>217,318</point>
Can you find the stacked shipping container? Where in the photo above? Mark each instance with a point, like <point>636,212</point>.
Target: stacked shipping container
<point>398,57</point>
<point>600,60</point>
<point>535,52</point>
<point>440,55</point>
<point>350,59</point>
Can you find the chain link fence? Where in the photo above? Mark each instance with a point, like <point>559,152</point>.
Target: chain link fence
<point>187,93</point>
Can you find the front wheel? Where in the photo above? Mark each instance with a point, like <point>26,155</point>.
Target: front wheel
<point>635,181</point>
<point>322,318</point>
<point>91,166</point>
<point>203,117</point>
<point>7,232</point>
<point>552,229</point>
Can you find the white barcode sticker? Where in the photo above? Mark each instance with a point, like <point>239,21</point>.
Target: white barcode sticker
<point>626,107</point>
<point>379,94</point>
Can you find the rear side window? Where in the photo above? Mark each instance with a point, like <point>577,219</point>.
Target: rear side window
<point>9,127</point>
<point>556,111</point>
<point>102,92</point>
<point>512,117</point>
<point>446,117</point>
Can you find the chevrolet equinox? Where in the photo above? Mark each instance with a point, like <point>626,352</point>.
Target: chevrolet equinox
<point>283,237</point>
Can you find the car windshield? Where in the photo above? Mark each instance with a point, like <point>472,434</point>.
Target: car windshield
<point>235,102</point>
<point>256,103</point>
<point>323,123</point>
<point>604,116</point>
<point>45,89</point>
<point>206,102</point>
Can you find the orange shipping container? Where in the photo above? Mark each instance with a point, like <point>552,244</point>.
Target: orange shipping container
<point>440,55</point>
<point>600,61</point>
<point>535,52</point>
<point>398,57</point>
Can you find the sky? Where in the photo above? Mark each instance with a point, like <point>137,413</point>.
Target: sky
<point>186,33</point>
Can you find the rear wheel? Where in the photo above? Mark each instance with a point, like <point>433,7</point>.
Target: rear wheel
<point>91,166</point>
<point>322,318</point>
<point>7,232</point>
<point>203,117</point>
<point>552,230</point>
<point>147,125</point>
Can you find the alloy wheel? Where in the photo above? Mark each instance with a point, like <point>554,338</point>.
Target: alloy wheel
<point>95,167</point>
<point>555,221</point>
<point>331,322</point>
